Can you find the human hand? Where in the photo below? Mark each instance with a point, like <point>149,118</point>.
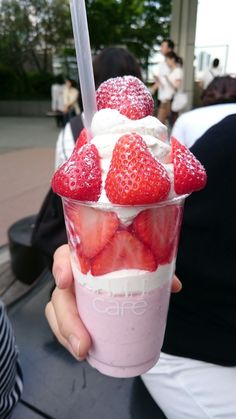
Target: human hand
<point>61,311</point>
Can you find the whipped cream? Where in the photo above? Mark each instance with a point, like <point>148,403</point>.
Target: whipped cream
<point>125,281</point>
<point>108,125</point>
<point>107,121</point>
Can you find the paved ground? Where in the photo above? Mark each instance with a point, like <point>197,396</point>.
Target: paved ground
<point>26,164</point>
<point>21,132</point>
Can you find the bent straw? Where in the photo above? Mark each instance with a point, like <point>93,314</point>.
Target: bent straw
<point>84,59</point>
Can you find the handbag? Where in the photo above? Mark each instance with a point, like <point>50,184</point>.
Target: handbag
<point>49,230</point>
<point>179,101</point>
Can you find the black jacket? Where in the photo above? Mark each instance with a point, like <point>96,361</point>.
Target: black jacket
<point>202,317</point>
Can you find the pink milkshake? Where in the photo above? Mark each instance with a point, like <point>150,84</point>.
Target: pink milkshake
<point>123,290</point>
<point>127,331</point>
<point>123,190</point>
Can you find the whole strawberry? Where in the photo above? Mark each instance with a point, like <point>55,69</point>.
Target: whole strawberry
<point>135,176</point>
<point>126,94</point>
<point>80,177</point>
<point>189,174</point>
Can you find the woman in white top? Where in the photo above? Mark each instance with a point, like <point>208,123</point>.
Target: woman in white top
<point>172,82</point>
<point>70,101</point>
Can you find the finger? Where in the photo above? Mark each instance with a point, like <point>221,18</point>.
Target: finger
<point>52,321</point>
<point>176,285</point>
<point>69,323</point>
<point>61,269</point>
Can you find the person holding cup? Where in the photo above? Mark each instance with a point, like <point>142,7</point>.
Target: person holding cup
<point>198,349</point>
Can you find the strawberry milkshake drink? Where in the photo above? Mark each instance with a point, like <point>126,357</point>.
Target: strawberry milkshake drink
<point>123,190</point>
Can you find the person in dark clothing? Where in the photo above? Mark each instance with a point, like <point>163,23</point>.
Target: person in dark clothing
<point>207,251</point>
<point>196,374</point>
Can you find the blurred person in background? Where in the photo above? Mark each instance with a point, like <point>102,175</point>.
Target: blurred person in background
<point>114,62</point>
<point>168,84</point>
<point>161,83</point>
<point>210,73</point>
<point>218,100</point>
<point>57,102</point>
<point>70,100</point>
<point>174,80</point>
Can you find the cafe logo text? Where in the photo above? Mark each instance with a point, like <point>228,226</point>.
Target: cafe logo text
<point>119,308</point>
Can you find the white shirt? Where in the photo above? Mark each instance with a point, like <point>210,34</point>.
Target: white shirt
<point>57,97</point>
<point>193,124</point>
<point>190,389</point>
<point>65,144</point>
<point>174,75</point>
<point>209,75</point>
<point>163,71</point>
<point>166,90</point>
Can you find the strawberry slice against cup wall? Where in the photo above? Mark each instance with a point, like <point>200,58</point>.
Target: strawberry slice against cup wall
<point>123,190</point>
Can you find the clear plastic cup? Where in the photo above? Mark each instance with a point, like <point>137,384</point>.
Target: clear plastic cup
<point>123,261</point>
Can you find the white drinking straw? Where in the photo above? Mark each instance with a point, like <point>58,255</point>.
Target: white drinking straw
<point>84,59</point>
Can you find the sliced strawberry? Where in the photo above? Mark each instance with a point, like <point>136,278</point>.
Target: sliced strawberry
<point>126,94</point>
<point>83,260</point>
<point>158,228</point>
<point>84,138</point>
<point>71,215</point>
<point>189,174</point>
<point>80,177</point>
<point>124,251</point>
<point>95,228</point>
<point>135,176</point>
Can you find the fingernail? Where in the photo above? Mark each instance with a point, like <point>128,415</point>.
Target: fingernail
<point>75,345</point>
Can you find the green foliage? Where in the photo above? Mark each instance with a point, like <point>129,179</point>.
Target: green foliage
<point>10,83</point>
<point>137,24</point>
<point>40,85</point>
<point>32,86</point>
<point>32,31</point>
